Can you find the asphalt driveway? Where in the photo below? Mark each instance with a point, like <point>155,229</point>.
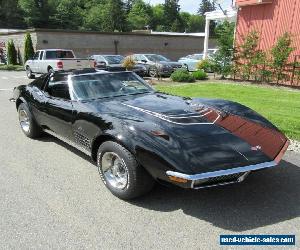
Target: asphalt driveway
<point>52,197</point>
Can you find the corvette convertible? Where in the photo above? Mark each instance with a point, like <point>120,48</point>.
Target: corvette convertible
<point>138,136</point>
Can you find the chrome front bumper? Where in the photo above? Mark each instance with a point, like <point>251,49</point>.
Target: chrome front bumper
<point>222,177</point>
<point>218,178</point>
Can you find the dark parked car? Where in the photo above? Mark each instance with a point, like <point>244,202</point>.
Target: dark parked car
<point>157,64</point>
<point>139,136</point>
<point>115,63</point>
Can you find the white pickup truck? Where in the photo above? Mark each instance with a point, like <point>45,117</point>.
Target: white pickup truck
<point>48,60</point>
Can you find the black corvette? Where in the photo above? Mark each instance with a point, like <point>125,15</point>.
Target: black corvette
<point>139,136</point>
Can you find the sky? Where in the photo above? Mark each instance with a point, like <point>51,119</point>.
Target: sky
<point>189,5</point>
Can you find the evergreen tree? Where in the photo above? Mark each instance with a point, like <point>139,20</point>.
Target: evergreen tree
<point>114,16</point>
<point>37,13</point>
<point>172,18</point>
<point>106,16</point>
<point>140,15</point>
<point>68,14</point>
<point>206,6</point>
<point>28,47</point>
<point>158,17</point>
<point>11,15</point>
<point>11,53</point>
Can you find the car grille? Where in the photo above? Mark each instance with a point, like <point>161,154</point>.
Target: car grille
<point>219,180</point>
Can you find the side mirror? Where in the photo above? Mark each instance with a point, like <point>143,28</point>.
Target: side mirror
<point>144,61</point>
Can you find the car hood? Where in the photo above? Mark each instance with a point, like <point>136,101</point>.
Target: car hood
<point>215,134</point>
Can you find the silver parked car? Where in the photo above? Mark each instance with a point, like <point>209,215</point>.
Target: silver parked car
<point>157,64</point>
<point>115,63</point>
<point>190,62</point>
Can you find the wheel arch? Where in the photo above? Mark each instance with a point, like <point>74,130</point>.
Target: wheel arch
<point>19,101</point>
<point>98,141</point>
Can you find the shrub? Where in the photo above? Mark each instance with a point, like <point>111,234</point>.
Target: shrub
<point>182,75</point>
<point>199,75</point>
<point>28,48</point>
<point>249,55</point>
<point>129,63</point>
<point>206,65</point>
<point>10,67</point>
<point>225,40</point>
<point>11,53</point>
<point>281,53</point>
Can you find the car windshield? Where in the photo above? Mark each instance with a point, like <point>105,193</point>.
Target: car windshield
<point>157,58</point>
<point>114,59</point>
<point>97,86</point>
<point>59,54</point>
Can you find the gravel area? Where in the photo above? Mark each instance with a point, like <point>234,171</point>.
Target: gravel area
<point>295,146</point>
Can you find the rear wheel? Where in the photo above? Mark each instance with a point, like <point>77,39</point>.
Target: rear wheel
<point>27,123</point>
<point>50,70</point>
<point>121,173</point>
<point>29,73</point>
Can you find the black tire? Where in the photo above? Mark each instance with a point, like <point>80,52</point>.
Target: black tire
<point>33,130</point>
<point>153,72</point>
<point>139,181</point>
<point>29,73</point>
<point>50,70</point>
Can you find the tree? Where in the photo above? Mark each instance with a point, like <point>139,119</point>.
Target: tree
<point>196,24</point>
<point>206,6</point>
<point>106,16</point>
<point>172,18</point>
<point>249,54</point>
<point>37,12</point>
<point>11,53</point>
<point>140,15</point>
<point>68,14</point>
<point>11,14</point>
<point>158,22</point>
<point>281,53</point>
<point>225,42</point>
<point>28,47</point>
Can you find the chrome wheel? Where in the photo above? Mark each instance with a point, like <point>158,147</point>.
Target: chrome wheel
<point>114,170</point>
<point>24,120</point>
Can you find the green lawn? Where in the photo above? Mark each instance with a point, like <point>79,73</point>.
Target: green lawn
<point>281,106</point>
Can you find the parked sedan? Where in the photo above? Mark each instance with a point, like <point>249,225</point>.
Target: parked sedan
<point>138,136</point>
<point>115,63</point>
<point>190,62</point>
<point>157,64</point>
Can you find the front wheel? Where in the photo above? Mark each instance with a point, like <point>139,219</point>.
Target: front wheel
<point>29,73</point>
<point>121,173</point>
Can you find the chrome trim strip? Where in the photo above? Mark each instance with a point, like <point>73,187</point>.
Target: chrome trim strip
<point>222,172</point>
<point>167,118</point>
<point>72,144</point>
